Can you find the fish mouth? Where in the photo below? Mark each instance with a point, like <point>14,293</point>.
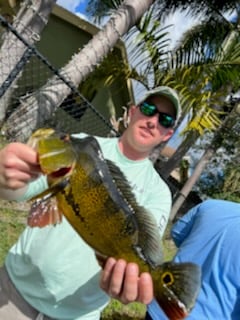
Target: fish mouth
<point>60,172</point>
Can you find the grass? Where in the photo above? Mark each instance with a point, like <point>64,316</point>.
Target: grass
<point>12,223</point>
<point>117,311</point>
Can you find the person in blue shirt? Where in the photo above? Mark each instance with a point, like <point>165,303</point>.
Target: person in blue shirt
<point>209,235</point>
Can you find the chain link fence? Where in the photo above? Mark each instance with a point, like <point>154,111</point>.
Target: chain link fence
<point>30,72</point>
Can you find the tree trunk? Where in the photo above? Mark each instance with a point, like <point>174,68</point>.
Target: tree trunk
<point>166,168</point>
<point>173,162</point>
<point>41,104</point>
<point>215,144</point>
<point>182,195</point>
<point>29,23</point>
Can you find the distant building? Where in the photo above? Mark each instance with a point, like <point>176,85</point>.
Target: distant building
<point>64,35</point>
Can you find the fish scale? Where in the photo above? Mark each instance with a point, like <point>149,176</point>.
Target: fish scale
<point>92,228</point>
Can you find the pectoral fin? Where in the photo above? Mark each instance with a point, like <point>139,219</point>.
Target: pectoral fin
<point>44,209</point>
<point>44,213</point>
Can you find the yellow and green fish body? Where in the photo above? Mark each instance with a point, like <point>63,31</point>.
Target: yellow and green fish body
<point>95,197</point>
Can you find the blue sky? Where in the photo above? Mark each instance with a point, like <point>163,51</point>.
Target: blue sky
<point>75,6</point>
<point>81,7</point>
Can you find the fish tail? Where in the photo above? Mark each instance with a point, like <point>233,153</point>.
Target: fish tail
<point>176,288</point>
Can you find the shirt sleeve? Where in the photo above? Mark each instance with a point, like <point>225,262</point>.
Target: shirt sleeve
<point>35,187</point>
<point>183,226</point>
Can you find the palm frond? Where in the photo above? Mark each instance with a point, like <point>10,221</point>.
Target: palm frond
<point>195,8</point>
<point>98,10</point>
<point>148,46</point>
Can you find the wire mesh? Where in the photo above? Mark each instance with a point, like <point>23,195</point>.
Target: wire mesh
<point>31,71</point>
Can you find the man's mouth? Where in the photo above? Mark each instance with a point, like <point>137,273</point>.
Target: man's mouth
<point>147,130</point>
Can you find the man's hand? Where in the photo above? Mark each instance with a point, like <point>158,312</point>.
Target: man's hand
<point>121,280</point>
<point>18,166</point>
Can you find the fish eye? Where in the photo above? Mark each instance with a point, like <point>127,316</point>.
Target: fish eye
<point>167,278</point>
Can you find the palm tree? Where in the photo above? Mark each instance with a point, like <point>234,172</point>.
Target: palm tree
<point>229,49</point>
<point>231,181</point>
<point>221,77</point>
<point>101,8</point>
<point>189,58</point>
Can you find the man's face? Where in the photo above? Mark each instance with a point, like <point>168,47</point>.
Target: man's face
<point>145,131</point>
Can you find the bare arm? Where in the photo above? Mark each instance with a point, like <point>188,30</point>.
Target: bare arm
<point>18,166</point>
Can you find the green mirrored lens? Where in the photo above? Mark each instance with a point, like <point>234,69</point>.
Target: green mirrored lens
<point>165,120</point>
<point>150,110</point>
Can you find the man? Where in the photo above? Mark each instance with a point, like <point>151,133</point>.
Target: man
<point>54,271</point>
<point>209,236</point>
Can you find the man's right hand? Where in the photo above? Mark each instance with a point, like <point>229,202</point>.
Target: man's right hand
<point>18,166</point>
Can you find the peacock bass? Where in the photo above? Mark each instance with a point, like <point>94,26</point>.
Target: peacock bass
<point>97,200</point>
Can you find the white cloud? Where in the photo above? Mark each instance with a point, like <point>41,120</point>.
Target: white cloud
<point>70,5</point>
<point>180,22</point>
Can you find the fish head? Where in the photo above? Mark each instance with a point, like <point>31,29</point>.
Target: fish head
<point>177,288</point>
<point>56,154</point>
<point>57,160</point>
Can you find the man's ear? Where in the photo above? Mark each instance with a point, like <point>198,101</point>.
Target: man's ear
<point>168,134</point>
<point>132,110</point>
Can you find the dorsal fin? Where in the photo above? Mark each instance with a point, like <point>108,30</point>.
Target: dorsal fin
<point>149,242</point>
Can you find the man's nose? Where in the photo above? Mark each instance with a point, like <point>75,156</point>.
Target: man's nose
<point>153,120</point>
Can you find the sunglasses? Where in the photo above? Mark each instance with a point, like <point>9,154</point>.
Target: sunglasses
<point>164,119</point>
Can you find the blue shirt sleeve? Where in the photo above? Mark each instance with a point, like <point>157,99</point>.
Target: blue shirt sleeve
<point>155,311</point>
<point>183,226</point>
